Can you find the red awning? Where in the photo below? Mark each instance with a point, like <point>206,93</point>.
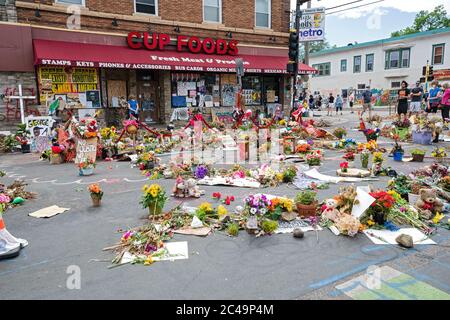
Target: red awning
<point>58,53</point>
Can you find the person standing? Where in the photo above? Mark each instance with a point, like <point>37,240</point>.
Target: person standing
<point>330,104</point>
<point>351,100</point>
<point>403,95</point>
<point>367,97</point>
<point>311,101</point>
<point>445,102</point>
<point>415,107</point>
<point>339,103</point>
<point>133,107</point>
<point>434,97</point>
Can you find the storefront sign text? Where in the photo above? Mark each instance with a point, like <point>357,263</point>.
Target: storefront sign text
<point>159,41</point>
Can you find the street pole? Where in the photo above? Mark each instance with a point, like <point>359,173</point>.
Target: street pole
<point>298,15</point>
<point>306,77</point>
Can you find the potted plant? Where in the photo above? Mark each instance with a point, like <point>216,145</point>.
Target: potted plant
<point>381,206</point>
<point>86,167</point>
<point>350,157</point>
<point>96,194</point>
<point>56,153</point>
<point>401,128</point>
<point>154,198</point>
<point>314,158</point>
<point>398,152</point>
<point>365,159</point>
<point>340,133</point>
<point>344,166</point>
<point>439,154</point>
<point>306,203</point>
<point>418,155</point>
<point>371,134</point>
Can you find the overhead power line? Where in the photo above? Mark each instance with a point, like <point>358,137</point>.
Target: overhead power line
<point>355,7</point>
<point>343,5</point>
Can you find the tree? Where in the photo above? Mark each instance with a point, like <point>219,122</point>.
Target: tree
<point>425,21</point>
<point>315,46</point>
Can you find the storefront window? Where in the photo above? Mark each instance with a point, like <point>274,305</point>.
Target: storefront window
<point>195,90</point>
<point>251,89</point>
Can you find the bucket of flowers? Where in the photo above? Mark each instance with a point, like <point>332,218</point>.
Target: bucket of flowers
<point>96,194</point>
<point>439,154</point>
<point>86,167</point>
<point>154,198</point>
<point>365,158</point>
<point>401,128</point>
<point>314,158</point>
<point>381,206</point>
<point>56,153</point>
<point>397,152</point>
<point>371,134</point>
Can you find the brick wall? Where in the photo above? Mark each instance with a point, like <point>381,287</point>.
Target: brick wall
<point>8,11</point>
<point>238,14</point>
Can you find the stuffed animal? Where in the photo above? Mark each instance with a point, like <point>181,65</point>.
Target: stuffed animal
<point>428,203</point>
<point>329,210</point>
<point>180,188</point>
<point>192,189</point>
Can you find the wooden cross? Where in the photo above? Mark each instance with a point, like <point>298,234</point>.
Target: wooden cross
<point>21,98</point>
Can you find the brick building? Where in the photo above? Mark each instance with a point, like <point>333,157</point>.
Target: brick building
<point>82,48</point>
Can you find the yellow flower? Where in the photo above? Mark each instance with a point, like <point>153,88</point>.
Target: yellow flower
<point>148,261</point>
<point>144,188</point>
<point>205,206</point>
<point>370,223</point>
<point>438,217</point>
<point>221,210</point>
<point>153,193</point>
<point>279,177</point>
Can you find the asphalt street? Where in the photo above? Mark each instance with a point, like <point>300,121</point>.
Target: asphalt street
<point>219,267</point>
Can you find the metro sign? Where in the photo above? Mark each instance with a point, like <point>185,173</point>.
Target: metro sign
<point>159,41</point>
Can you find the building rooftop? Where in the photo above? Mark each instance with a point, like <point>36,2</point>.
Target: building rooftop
<point>381,41</point>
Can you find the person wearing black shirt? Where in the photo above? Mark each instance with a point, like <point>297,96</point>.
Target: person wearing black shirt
<point>416,99</point>
<point>330,105</point>
<point>403,94</point>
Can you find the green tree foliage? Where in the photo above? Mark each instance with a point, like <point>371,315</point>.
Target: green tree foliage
<point>425,21</point>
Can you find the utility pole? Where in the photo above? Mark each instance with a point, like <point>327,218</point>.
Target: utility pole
<point>298,15</point>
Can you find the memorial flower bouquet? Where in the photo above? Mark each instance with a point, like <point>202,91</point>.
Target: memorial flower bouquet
<point>96,194</point>
<point>4,200</point>
<point>340,133</point>
<point>257,204</point>
<point>87,128</point>
<point>303,148</point>
<point>314,158</point>
<point>349,156</point>
<point>344,166</point>
<point>381,206</point>
<point>439,154</point>
<point>108,133</point>
<point>86,164</point>
<point>371,134</point>
<point>154,198</point>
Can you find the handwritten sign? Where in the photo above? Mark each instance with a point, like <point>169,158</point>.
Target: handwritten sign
<point>40,128</point>
<point>86,150</point>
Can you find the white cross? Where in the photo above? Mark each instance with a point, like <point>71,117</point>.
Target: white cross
<point>21,98</point>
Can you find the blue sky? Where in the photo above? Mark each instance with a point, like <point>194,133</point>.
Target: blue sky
<point>372,22</point>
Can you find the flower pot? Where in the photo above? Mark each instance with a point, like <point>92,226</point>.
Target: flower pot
<point>398,156</point>
<point>402,133</point>
<point>379,218</point>
<point>56,158</point>
<point>96,200</point>
<point>154,210</point>
<point>132,129</point>
<point>422,137</point>
<point>26,148</point>
<point>86,171</point>
<point>418,157</point>
<point>365,162</point>
<point>305,210</point>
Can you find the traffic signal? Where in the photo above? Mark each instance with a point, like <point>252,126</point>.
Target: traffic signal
<point>293,46</point>
<point>291,67</point>
<point>424,71</point>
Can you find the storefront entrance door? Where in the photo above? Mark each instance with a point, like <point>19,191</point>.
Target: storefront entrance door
<point>148,99</point>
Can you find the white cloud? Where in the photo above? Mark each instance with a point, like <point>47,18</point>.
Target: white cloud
<point>402,5</point>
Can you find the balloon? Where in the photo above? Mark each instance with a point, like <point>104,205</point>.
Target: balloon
<point>18,200</point>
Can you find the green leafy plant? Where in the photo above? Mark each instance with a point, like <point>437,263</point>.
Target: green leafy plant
<point>233,229</point>
<point>289,174</point>
<point>306,197</point>
<point>340,133</point>
<point>269,226</point>
<point>418,151</point>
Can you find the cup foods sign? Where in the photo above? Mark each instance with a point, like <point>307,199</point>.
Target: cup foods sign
<point>312,25</point>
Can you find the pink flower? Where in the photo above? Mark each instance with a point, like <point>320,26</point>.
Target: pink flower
<point>4,198</point>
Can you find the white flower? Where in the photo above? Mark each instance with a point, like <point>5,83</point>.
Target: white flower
<point>253,210</point>
<point>263,210</point>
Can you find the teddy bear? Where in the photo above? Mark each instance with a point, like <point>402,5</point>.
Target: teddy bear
<point>428,203</point>
<point>192,189</point>
<point>180,188</point>
<point>329,210</point>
